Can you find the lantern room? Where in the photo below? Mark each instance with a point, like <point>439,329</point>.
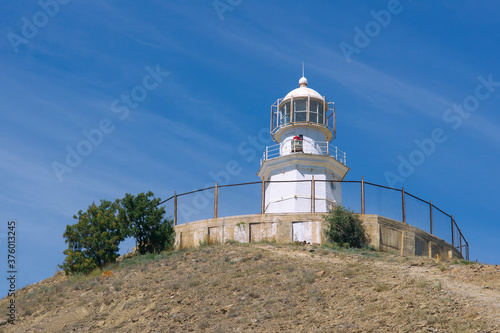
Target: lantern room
<point>303,106</point>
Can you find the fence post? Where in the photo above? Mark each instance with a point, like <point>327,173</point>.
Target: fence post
<point>362,194</point>
<point>452,233</point>
<point>431,216</point>
<point>313,196</point>
<point>263,198</point>
<point>175,208</point>
<point>216,200</point>
<point>461,245</point>
<point>404,208</point>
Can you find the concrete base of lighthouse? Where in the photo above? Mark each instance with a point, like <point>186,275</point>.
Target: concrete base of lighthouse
<point>385,234</point>
<point>289,188</point>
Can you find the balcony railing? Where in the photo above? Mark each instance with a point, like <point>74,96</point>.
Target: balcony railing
<point>307,147</point>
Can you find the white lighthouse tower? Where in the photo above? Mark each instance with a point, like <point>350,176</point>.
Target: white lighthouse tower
<point>298,171</point>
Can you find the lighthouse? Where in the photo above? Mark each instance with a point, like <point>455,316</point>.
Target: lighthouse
<point>301,176</point>
<point>303,170</point>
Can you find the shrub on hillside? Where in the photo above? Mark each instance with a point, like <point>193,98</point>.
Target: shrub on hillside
<point>93,241</point>
<point>144,220</point>
<point>345,228</point>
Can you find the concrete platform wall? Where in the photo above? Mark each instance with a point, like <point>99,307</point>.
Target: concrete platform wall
<point>385,234</point>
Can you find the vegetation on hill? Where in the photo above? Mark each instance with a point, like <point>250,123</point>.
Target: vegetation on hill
<point>94,240</point>
<point>345,228</point>
<point>143,219</point>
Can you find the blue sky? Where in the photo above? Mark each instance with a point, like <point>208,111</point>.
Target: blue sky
<point>394,69</point>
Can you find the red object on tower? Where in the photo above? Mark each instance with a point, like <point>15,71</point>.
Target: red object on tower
<point>297,144</point>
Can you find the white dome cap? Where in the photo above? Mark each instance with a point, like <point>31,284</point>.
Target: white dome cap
<point>303,82</point>
<point>303,91</point>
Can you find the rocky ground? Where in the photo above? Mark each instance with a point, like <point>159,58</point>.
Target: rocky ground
<point>267,288</point>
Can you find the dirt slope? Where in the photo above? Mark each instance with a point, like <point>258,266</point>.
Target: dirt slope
<point>267,288</point>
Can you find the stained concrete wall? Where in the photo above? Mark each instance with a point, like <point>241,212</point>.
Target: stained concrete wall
<point>385,234</point>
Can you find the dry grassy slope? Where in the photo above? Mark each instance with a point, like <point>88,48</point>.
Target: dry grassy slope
<point>267,288</point>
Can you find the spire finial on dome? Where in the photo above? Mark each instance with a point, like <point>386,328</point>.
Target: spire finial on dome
<point>303,80</point>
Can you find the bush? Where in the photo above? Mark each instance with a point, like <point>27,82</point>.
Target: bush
<point>345,228</point>
<point>93,241</point>
<point>144,220</point>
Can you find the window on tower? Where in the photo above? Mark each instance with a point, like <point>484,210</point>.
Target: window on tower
<point>285,114</point>
<point>300,110</point>
<point>316,112</point>
<point>298,144</point>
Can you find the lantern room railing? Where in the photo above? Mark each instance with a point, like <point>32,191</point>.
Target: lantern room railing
<point>324,116</point>
<point>307,147</point>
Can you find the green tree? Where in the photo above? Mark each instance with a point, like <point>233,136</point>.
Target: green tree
<point>144,220</point>
<point>344,227</point>
<point>93,241</point>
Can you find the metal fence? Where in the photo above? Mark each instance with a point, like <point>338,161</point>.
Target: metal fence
<point>360,196</point>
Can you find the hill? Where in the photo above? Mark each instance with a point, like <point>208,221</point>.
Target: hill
<point>267,288</point>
